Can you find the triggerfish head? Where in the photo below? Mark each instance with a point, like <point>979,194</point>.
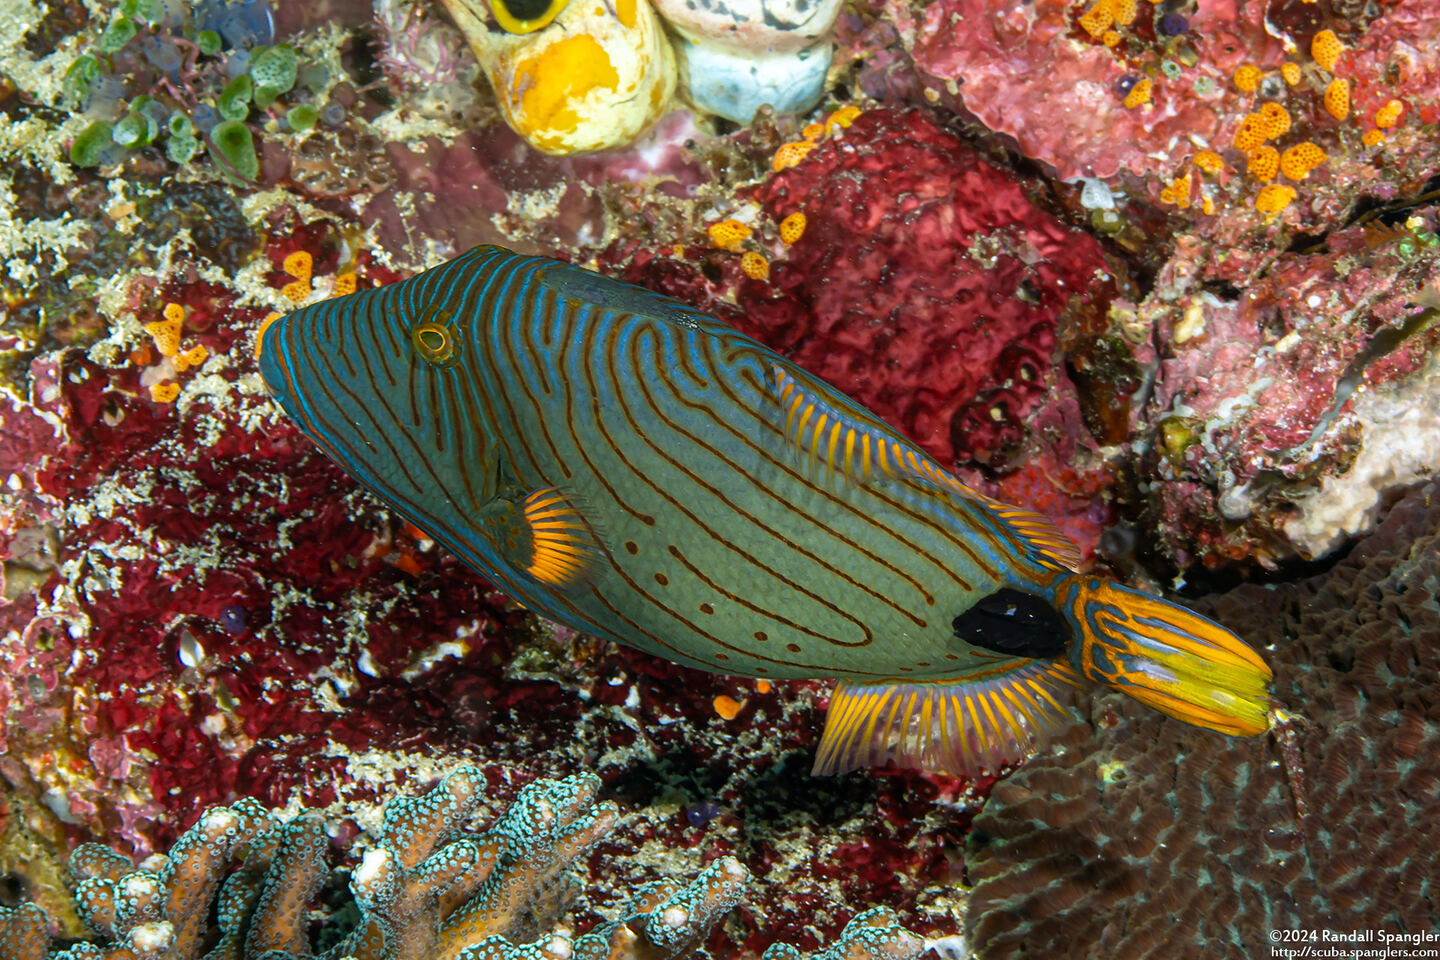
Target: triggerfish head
<point>638,470</point>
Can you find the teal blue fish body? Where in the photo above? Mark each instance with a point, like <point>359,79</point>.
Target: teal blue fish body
<point>624,464</point>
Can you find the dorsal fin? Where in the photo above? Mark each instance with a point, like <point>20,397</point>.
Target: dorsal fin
<point>1040,532</point>
<point>837,441</point>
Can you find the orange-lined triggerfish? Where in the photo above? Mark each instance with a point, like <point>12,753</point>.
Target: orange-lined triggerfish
<point>636,469</point>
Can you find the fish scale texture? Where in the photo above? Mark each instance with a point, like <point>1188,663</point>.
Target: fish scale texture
<point>1147,838</point>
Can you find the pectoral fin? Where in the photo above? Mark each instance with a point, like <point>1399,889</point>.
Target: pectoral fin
<point>551,535</point>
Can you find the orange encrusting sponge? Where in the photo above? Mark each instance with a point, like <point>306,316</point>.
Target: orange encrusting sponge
<point>728,234</point>
<point>755,266</point>
<point>1326,48</point>
<point>1209,161</point>
<point>1275,120</point>
<point>790,154</point>
<point>1273,198</point>
<point>792,228</point>
<point>1337,99</point>
<point>1389,115</point>
<point>1297,162</point>
<point>1139,94</point>
<point>1263,163</point>
<point>1251,133</point>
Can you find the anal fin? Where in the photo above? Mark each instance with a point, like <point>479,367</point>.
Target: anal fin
<point>966,726</point>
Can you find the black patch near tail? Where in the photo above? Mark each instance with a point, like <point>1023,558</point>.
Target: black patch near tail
<point>1015,623</point>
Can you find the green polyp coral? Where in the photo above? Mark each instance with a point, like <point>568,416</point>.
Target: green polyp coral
<point>200,73</point>
<point>89,147</point>
<point>302,118</point>
<point>120,32</point>
<point>234,101</point>
<point>139,127</point>
<point>182,150</point>
<point>274,70</point>
<point>233,144</point>
<point>182,145</point>
<point>82,73</point>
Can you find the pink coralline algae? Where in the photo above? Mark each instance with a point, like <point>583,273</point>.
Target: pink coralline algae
<point>1092,95</point>
<point>929,287</point>
<point>1265,397</point>
<point>176,515</point>
<point>1012,65</point>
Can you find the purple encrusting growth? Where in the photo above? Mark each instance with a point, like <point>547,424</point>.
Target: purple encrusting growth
<point>1173,24</point>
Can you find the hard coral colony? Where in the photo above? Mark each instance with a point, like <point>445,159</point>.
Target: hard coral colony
<point>1163,275</point>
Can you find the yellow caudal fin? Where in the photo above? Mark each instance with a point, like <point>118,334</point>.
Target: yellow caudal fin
<point>1166,656</point>
<point>966,726</point>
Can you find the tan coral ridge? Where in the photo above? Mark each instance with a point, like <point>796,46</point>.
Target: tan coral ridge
<point>431,890</point>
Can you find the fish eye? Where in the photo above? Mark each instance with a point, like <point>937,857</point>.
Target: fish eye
<point>526,16</point>
<point>435,341</point>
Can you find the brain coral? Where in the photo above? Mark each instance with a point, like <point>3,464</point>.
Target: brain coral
<point>1158,837</point>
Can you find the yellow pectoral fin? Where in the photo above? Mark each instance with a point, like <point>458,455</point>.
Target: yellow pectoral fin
<point>558,543</point>
<point>964,726</point>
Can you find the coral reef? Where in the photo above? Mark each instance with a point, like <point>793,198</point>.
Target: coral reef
<point>427,888</point>
<point>1146,834</point>
<point>1136,90</point>
<point>242,883</point>
<point>193,81</point>
<point>1028,234</point>
<point>1267,414</point>
<point>227,617</point>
